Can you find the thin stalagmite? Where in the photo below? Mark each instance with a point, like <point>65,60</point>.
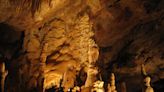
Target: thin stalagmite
<point>4,73</point>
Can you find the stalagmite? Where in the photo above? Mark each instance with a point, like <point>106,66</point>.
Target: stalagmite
<point>148,88</point>
<point>76,89</point>
<point>3,76</point>
<point>98,86</point>
<point>113,87</point>
<point>91,76</point>
<point>123,87</point>
<point>109,88</point>
<point>91,70</point>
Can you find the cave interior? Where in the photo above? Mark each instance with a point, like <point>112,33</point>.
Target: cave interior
<point>82,45</point>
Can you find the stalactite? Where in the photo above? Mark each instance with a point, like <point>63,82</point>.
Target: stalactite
<point>32,5</point>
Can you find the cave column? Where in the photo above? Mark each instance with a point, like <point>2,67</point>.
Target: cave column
<point>92,70</point>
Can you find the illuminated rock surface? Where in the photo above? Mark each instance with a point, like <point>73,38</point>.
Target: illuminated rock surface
<point>45,42</point>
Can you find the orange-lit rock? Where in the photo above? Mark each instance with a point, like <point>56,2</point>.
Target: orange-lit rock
<point>51,43</point>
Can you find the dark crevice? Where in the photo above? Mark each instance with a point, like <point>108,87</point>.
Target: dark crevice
<point>151,5</point>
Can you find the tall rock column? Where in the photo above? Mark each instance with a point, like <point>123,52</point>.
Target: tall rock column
<point>58,51</point>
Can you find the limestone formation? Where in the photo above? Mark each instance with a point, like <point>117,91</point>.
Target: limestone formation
<point>76,89</point>
<point>60,50</point>
<point>98,86</point>
<point>143,70</point>
<point>113,86</point>
<point>123,87</point>
<point>46,41</point>
<point>148,87</point>
<point>4,73</point>
<point>91,76</point>
<point>109,88</point>
<point>86,89</point>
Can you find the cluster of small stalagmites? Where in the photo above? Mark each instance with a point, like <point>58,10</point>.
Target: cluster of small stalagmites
<point>97,86</point>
